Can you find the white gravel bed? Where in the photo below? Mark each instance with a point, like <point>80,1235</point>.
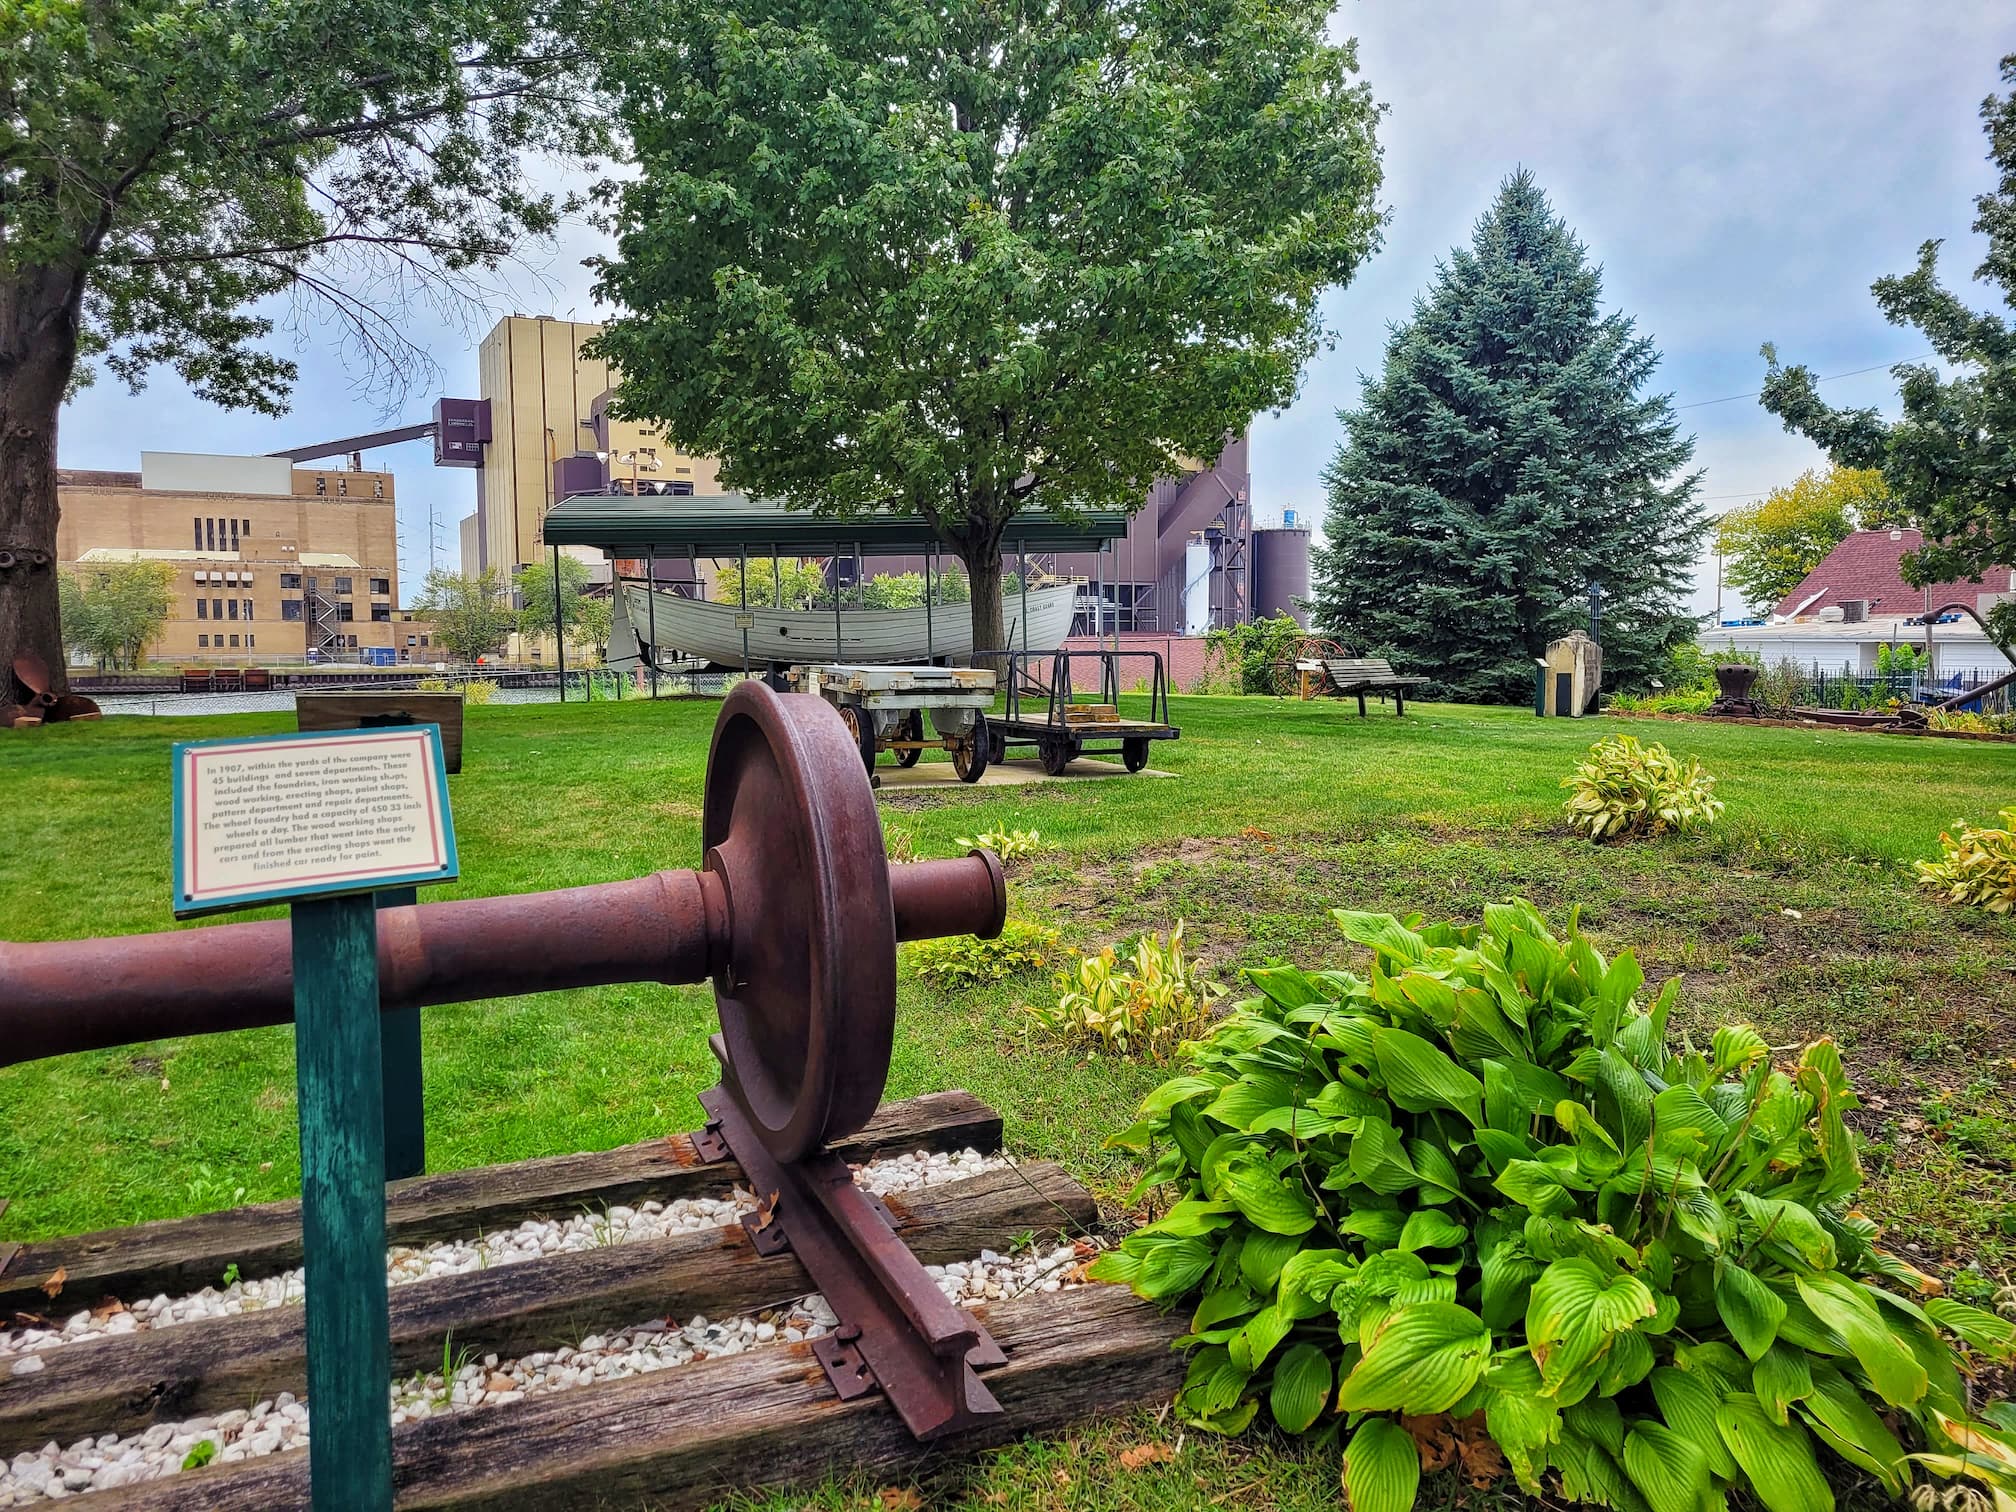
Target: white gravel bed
<point>98,1464</point>
<point>21,1349</point>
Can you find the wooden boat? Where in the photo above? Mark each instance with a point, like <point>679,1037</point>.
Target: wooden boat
<point>714,631</point>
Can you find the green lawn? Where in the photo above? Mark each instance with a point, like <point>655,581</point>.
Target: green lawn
<point>1797,912</point>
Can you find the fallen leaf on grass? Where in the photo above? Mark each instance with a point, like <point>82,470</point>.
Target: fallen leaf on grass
<point>900,1499</point>
<point>1435,1439</point>
<point>54,1284</point>
<point>1145,1454</point>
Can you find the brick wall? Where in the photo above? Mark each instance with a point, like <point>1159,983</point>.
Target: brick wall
<point>1182,655</point>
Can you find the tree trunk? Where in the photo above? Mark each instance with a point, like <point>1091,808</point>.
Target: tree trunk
<point>38,351</point>
<point>983,574</point>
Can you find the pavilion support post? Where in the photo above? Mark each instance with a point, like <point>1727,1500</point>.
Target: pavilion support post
<point>930,645</point>
<point>651,612</point>
<point>860,578</point>
<point>839,654</point>
<point>1022,573</point>
<point>744,549</point>
<point>559,628</point>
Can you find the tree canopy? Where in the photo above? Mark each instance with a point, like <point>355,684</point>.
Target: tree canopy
<point>1769,547</point>
<point>470,613</point>
<point>1503,459</point>
<point>587,617</point>
<point>966,258</point>
<point>167,164</point>
<point>1949,461</point>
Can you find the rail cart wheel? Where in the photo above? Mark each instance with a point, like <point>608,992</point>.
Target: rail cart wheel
<point>997,747</point>
<point>1058,752</point>
<point>1134,754</point>
<point>969,757</point>
<point>913,729</point>
<point>790,827</point>
<point>861,725</point>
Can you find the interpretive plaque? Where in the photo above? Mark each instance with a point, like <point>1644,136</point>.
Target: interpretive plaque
<point>274,818</point>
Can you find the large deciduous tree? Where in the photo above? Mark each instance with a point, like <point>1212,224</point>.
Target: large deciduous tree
<point>470,613</point>
<point>165,165</point>
<point>1503,460</point>
<point>1950,460</point>
<point>114,611</point>
<point>1769,547</point>
<point>964,257</point>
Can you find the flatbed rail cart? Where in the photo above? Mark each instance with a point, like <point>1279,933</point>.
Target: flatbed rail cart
<point>1045,710</point>
<point>886,709</point>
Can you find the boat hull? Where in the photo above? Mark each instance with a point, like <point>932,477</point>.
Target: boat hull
<point>670,623</point>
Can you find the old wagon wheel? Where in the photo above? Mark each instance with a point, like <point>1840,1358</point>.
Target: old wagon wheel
<point>969,756</point>
<point>1134,753</point>
<point>861,725</point>
<point>1058,752</point>
<point>913,729</point>
<point>1284,673</point>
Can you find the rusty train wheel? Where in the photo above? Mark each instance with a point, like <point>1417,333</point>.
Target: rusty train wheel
<point>807,991</point>
<point>913,729</point>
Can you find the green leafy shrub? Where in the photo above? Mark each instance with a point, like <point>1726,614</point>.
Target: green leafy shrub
<point>1624,788</point>
<point>1248,658</point>
<point>1009,845</point>
<point>1693,701</point>
<point>1973,724</point>
<point>1782,686</point>
<point>964,961</point>
<point>1978,869</point>
<point>1144,1003</point>
<point>1477,1181</point>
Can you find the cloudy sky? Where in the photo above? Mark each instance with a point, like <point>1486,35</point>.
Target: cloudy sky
<point>1743,169</point>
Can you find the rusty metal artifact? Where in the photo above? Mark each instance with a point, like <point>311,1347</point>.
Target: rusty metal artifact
<point>795,916</point>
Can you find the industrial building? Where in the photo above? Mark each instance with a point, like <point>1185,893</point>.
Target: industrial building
<point>271,561</point>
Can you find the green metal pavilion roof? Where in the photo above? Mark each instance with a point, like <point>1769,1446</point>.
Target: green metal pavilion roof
<point>722,524</point>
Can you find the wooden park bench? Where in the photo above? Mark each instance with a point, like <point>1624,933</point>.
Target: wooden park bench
<point>372,710</point>
<point>1348,675</point>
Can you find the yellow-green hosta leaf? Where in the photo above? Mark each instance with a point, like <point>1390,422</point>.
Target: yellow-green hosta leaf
<point>1993,1336</point>
<point>1419,1359</point>
<point>1777,1461</point>
<point>1382,1468</point>
<point>1521,1421</point>
<point>1426,1228</point>
<point>1301,1387</point>
<point>1669,1468</point>
<point>1750,1310</point>
<point>1687,1400</point>
<point>1841,1417</point>
<point>1420,1078</point>
<point>1577,1307</point>
<point>1279,1204</point>
<point>1782,1377</point>
<point>1846,1307</point>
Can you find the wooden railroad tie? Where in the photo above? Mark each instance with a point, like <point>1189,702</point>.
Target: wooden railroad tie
<point>675,1437</point>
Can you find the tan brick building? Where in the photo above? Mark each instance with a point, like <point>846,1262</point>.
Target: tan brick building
<point>548,407</point>
<point>270,559</point>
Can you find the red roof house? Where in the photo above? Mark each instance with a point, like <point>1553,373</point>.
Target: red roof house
<point>1867,566</point>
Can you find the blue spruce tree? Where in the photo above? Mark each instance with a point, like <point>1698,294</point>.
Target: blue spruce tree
<point>1502,461</point>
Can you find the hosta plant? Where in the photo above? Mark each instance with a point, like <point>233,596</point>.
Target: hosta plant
<point>1979,868</point>
<point>968,961</point>
<point>1009,845</point>
<point>1475,1192</point>
<point>1146,1002</point>
<point>1624,788</point>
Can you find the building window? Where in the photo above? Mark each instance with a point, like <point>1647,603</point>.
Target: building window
<point>234,535</point>
<point>203,643</point>
<point>248,527</point>
<point>381,586</point>
<point>679,490</point>
<point>290,580</point>
<point>321,485</point>
<point>381,613</point>
<point>232,605</point>
<point>216,608</point>
<point>290,609</point>
<point>202,608</point>
<point>346,612</point>
<point>423,640</point>
<point>209,534</point>
<point>350,641</point>
<point>343,487</point>
<point>378,488</point>
<point>248,608</point>
<point>248,643</point>
<point>342,585</point>
<point>234,642</point>
<point>198,523</point>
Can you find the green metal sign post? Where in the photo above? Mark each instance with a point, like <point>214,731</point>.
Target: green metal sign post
<point>337,824</point>
<point>336,1069</point>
